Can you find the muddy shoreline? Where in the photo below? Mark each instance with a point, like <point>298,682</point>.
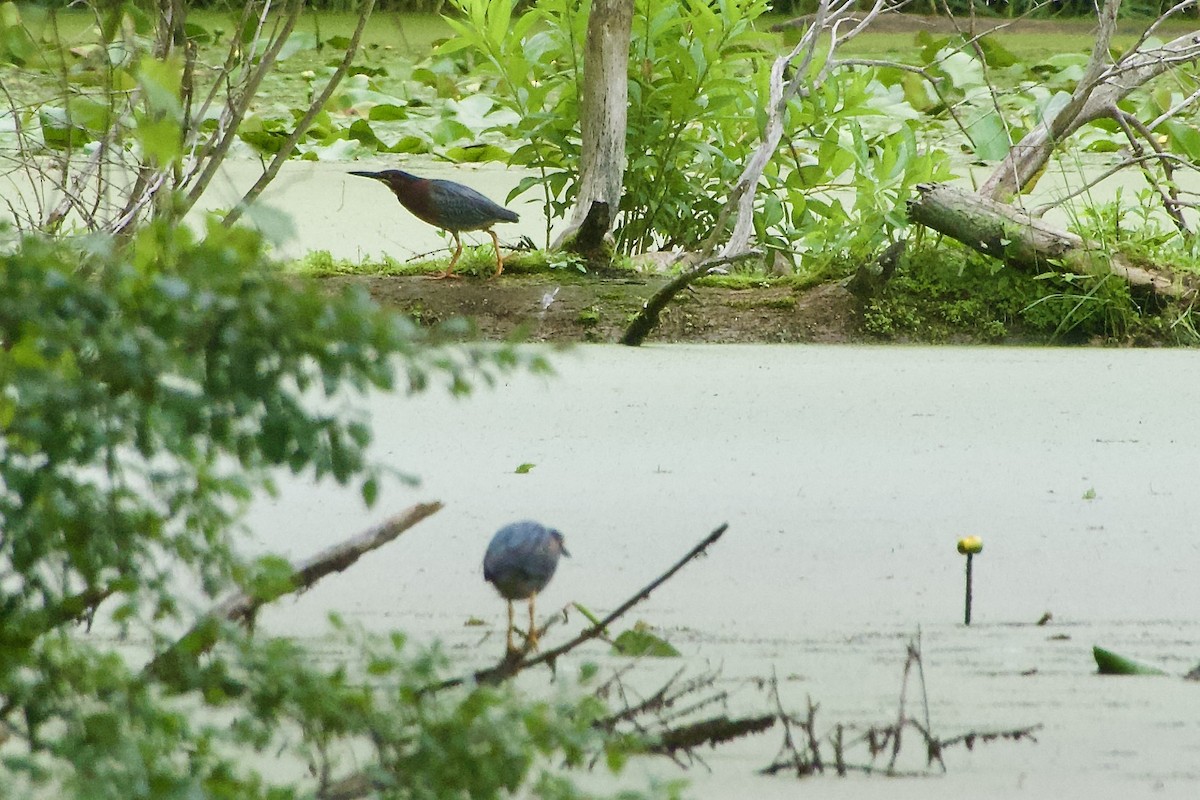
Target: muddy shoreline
<point>540,308</point>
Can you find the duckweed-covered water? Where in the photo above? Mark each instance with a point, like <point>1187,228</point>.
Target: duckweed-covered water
<point>846,475</point>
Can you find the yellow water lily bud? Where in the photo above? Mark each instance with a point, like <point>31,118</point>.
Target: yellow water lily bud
<point>970,545</point>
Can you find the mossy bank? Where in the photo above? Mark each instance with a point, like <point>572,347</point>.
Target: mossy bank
<point>937,295</point>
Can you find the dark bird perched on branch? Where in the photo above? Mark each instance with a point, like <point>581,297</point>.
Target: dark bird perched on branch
<point>446,205</point>
<point>519,562</point>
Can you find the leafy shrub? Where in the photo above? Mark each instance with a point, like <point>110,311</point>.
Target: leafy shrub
<point>691,104</point>
<point>697,83</point>
<point>146,390</point>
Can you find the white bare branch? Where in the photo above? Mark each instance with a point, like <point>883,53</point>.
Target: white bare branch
<point>1104,84</point>
<point>829,15</point>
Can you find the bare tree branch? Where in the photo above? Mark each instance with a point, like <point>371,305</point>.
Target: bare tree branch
<point>301,127</point>
<point>237,106</point>
<point>647,319</point>
<point>1104,84</point>
<point>243,606</point>
<point>1132,127</point>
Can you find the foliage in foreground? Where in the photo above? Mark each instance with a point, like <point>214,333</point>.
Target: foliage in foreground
<point>146,391</point>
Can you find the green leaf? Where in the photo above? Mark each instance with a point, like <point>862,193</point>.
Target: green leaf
<point>963,70</point>
<point>477,153</point>
<point>370,491</point>
<point>639,641</point>
<point>996,54</point>
<point>1109,663</point>
<point>387,112</point>
<point>267,135</point>
<point>160,140</point>
<point>524,469</point>
<point>57,130</point>
<point>271,577</point>
<point>1184,138</point>
<point>159,80</point>
<point>989,136</point>
<point>298,41</point>
<point>17,46</point>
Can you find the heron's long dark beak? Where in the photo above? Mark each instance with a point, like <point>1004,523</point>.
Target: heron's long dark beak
<point>374,175</point>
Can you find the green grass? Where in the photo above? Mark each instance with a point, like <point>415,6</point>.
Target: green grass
<point>1028,40</point>
<point>408,33</point>
<point>475,262</point>
<point>946,293</point>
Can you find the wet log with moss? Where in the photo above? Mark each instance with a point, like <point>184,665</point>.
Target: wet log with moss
<point>1009,234</point>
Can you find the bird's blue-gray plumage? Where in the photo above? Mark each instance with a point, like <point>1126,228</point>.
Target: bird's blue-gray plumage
<point>465,208</point>
<point>521,559</point>
<point>443,204</point>
<point>446,205</point>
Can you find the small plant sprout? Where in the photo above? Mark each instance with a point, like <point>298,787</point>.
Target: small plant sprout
<point>969,546</point>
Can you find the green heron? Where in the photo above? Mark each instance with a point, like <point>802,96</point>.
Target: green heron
<point>519,562</point>
<point>446,205</point>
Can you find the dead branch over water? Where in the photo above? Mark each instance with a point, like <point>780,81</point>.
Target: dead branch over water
<point>804,753</point>
<point>684,715</point>
<point>244,606</point>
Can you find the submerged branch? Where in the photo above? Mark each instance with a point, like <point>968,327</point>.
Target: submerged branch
<point>709,732</point>
<point>805,758</point>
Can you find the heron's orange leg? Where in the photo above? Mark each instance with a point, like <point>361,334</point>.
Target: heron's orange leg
<point>532,638</point>
<point>449,273</point>
<point>508,642</point>
<point>496,244</point>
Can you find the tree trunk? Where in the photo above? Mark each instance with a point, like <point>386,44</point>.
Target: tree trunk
<point>603,111</point>
<point>1004,232</point>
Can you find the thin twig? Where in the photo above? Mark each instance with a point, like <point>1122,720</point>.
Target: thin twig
<point>1132,127</point>
<point>236,107</point>
<point>301,127</point>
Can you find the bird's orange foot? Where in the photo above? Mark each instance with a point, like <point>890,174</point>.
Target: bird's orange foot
<point>438,276</point>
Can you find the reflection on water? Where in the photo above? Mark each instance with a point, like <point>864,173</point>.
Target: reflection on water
<point>847,475</point>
